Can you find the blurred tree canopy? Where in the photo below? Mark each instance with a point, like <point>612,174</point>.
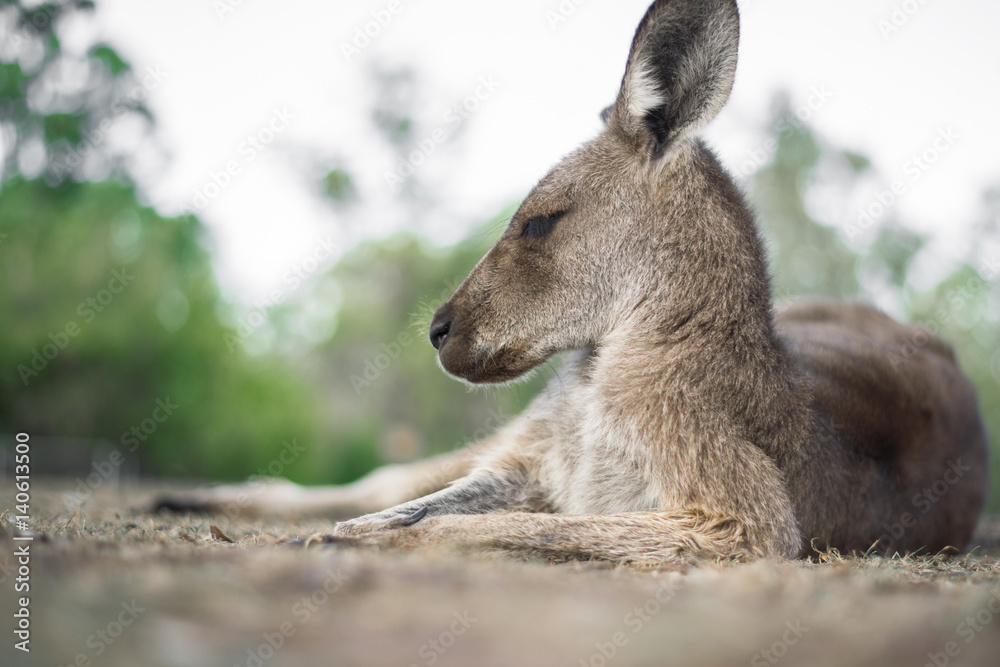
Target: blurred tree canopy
<point>113,317</point>
<point>110,310</point>
<point>63,112</point>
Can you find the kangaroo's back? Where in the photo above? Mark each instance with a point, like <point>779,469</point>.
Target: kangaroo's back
<point>903,423</point>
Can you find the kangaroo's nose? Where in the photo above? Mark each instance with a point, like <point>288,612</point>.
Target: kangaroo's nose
<point>439,331</point>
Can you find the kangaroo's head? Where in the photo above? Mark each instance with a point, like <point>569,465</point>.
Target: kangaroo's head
<point>599,235</point>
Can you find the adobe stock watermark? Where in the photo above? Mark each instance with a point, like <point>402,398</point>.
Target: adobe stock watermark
<point>562,12</point>
<point>105,470</point>
<point>958,297</point>
<point>989,267</point>
<point>302,612</point>
<point>223,8</point>
<point>773,654</point>
<point>900,15</point>
<point>389,352</point>
<point>247,152</point>
<point>40,20</point>
<point>290,452</point>
<point>634,621</point>
<point>795,118</point>
<point>320,256</point>
<point>448,472</point>
<point>87,310</point>
<point>995,366</point>
<point>104,637</point>
<point>366,33</point>
<point>923,502</point>
<point>375,365</point>
<point>913,170</point>
<point>434,649</point>
<point>453,119</point>
<point>968,629</point>
<point>72,158</point>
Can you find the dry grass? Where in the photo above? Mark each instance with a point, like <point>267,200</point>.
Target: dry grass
<point>207,601</point>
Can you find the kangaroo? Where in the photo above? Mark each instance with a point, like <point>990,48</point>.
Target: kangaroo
<point>689,419</point>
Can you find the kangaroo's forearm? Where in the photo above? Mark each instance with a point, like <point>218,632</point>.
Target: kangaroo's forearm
<point>480,494</point>
<point>477,494</point>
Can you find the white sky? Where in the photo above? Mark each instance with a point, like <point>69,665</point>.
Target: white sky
<point>227,75</point>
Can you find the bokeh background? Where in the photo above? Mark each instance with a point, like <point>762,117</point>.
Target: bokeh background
<point>224,224</point>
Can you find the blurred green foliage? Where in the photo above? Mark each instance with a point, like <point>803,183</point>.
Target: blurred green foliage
<point>74,239</point>
<point>110,311</point>
<point>108,308</point>
<point>57,107</point>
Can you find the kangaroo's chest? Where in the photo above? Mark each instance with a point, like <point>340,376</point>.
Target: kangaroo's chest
<point>593,464</point>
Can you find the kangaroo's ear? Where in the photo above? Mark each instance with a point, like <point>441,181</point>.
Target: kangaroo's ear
<point>679,74</point>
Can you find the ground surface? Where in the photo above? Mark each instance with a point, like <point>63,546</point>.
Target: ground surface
<point>113,585</point>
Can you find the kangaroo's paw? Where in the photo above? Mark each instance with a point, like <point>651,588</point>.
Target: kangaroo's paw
<point>390,519</point>
<point>398,534</point>
<point>323,541</point>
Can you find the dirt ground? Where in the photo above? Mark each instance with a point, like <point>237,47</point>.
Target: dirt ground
<point>114,585</point>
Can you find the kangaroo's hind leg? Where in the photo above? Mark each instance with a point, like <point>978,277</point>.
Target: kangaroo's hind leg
<point>644,539</point>
<point>384,487</point>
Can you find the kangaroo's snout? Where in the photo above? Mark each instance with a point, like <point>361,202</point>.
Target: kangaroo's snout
<point>465,352</point>
<point>440,328</point>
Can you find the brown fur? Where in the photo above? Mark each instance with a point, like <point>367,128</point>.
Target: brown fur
<point>692,421</point>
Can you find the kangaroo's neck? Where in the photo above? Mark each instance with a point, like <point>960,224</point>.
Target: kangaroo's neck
<point>704,342</point>
<point>709,283</point>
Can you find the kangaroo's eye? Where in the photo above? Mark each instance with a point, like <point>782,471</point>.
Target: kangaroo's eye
<point>541,225</point>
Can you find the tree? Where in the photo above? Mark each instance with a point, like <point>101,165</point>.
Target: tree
<point>59,110</point>
<point>111,311</point>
